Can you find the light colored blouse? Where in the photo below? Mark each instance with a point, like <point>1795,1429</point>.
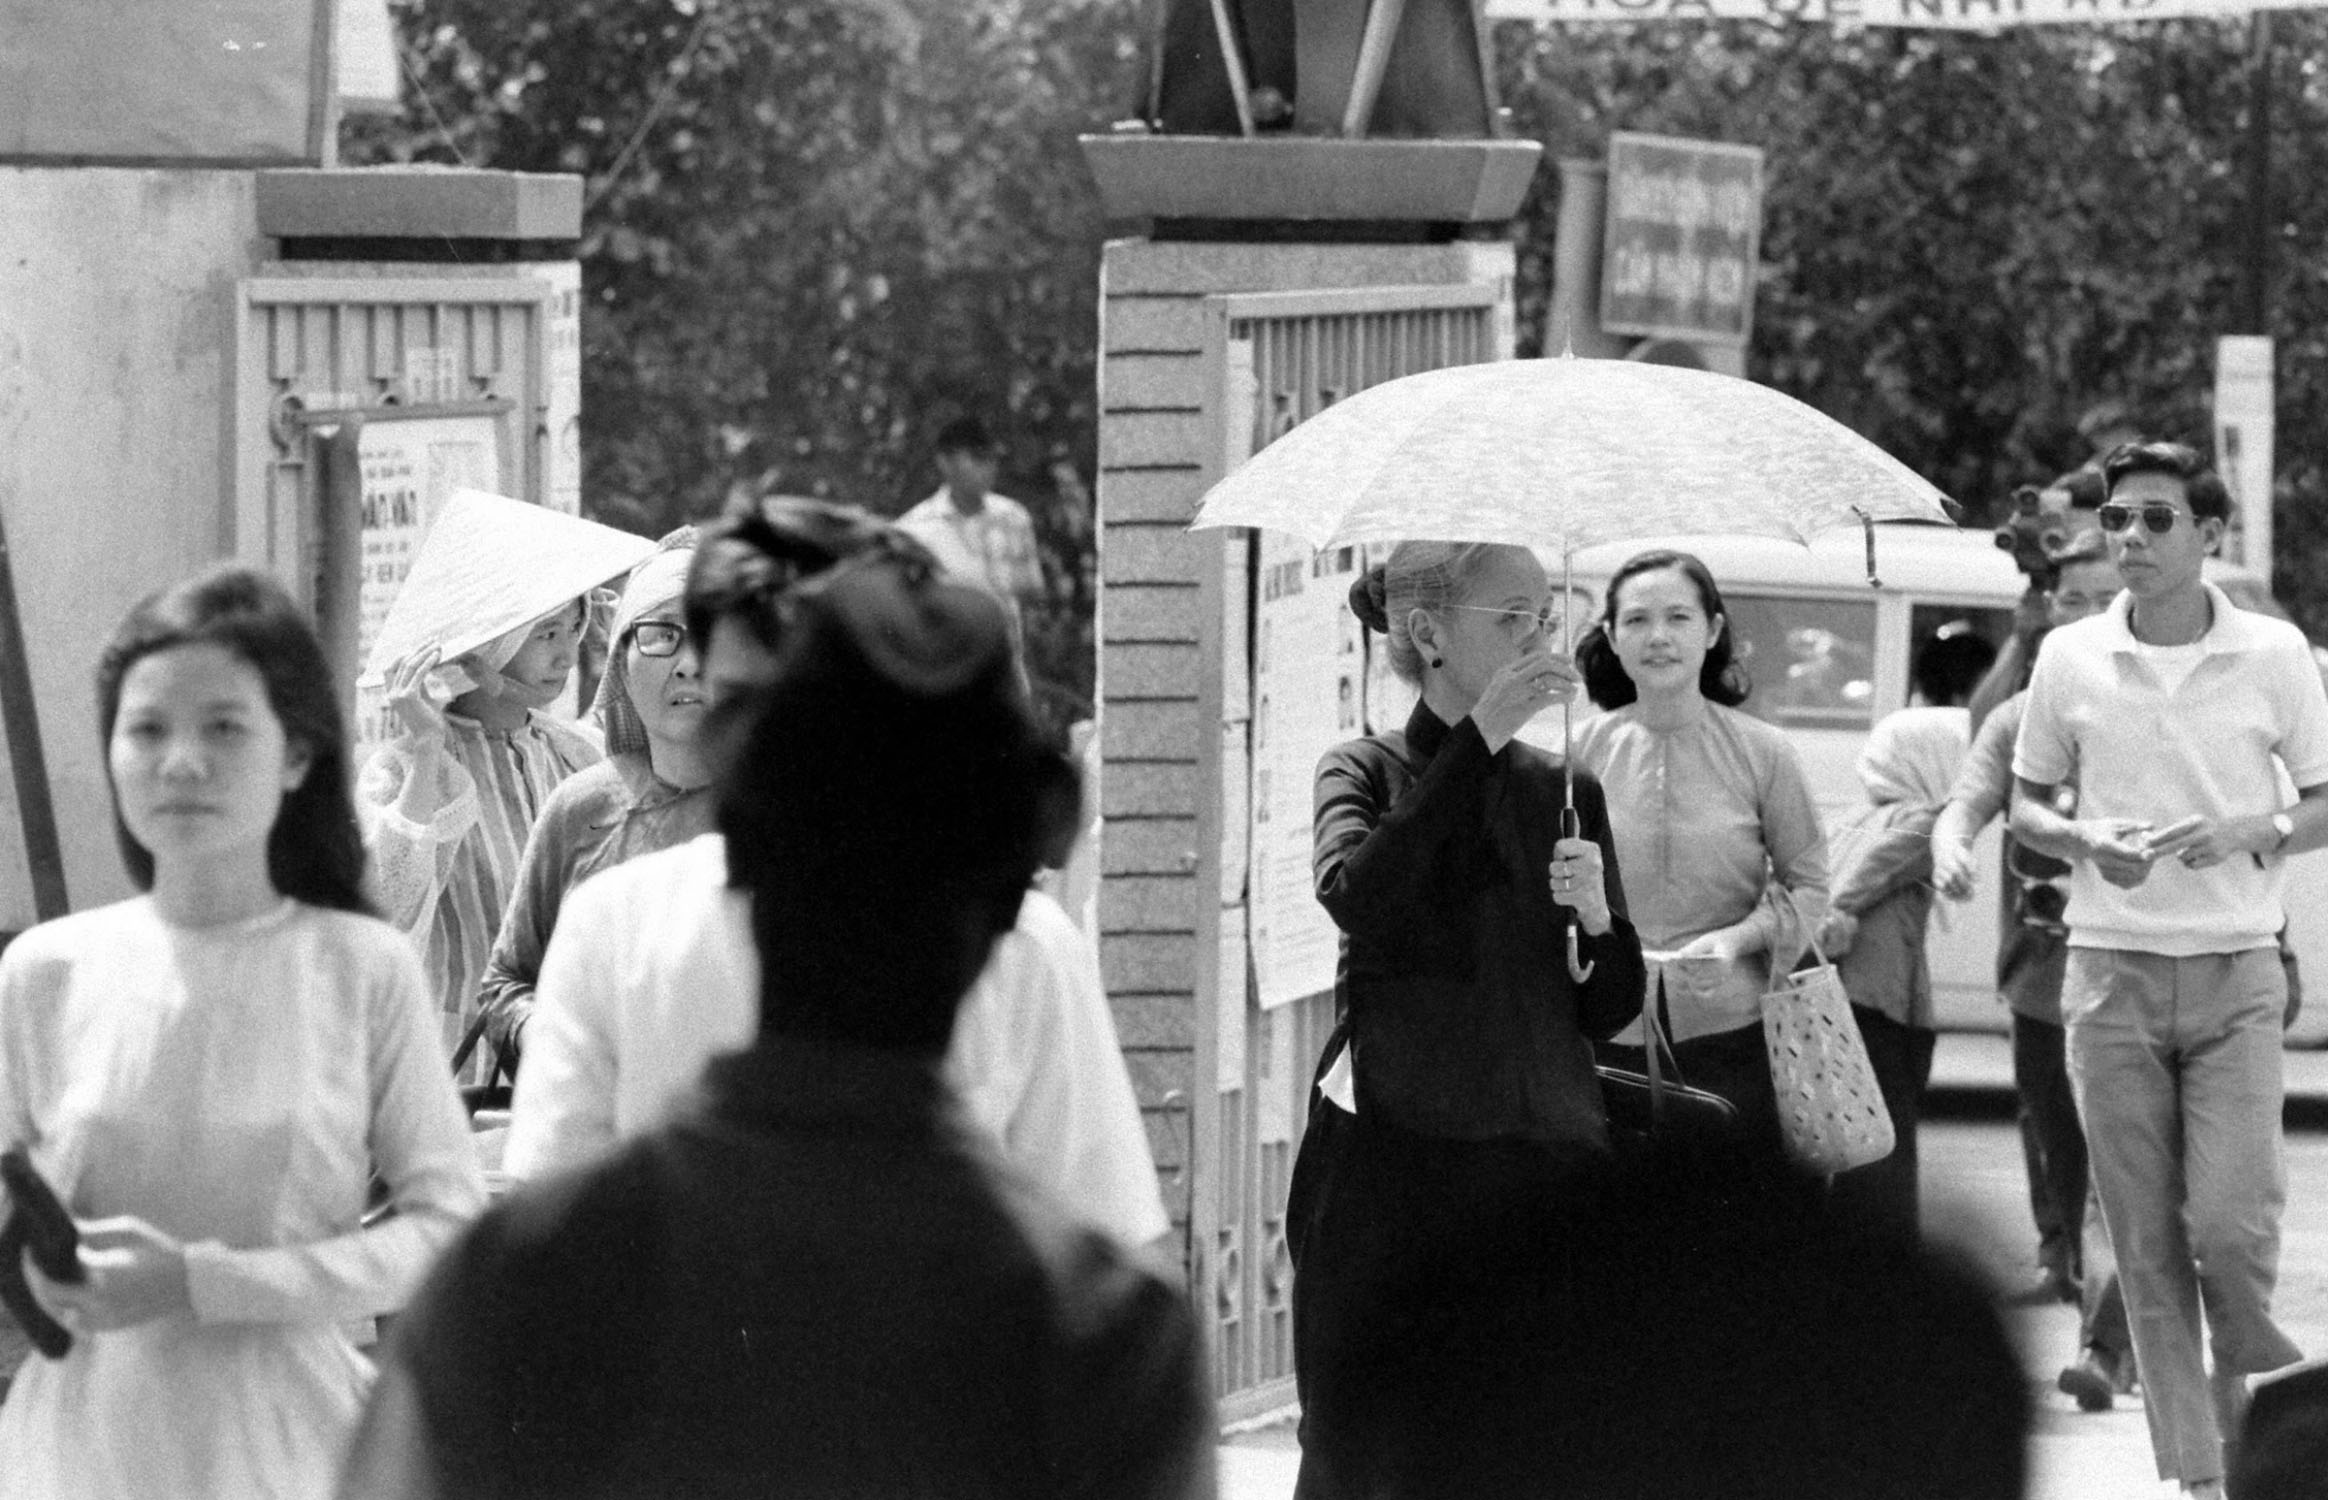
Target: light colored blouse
<point>233,1087</point>
<point>446,822</point>
<point>1715,828</point>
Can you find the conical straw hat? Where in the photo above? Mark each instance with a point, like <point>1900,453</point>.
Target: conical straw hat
<point>490,564</point>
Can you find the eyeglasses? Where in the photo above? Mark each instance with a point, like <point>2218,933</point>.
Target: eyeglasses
<point>1542,618</point>
<point>2157,519</point>
<point>658,637</point>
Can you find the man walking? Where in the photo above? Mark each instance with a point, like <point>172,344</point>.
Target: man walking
<point>977,535</point>
<point>2178,715</point>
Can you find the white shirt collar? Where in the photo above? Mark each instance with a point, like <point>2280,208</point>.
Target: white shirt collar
<point>2230,628</point>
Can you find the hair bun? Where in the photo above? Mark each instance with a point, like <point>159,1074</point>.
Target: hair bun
<point>1367,600</point>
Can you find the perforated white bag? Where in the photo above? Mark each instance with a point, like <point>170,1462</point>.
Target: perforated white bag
<point>1829,1107</point>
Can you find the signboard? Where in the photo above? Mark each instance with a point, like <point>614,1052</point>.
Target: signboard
<point>161,81</point>
<point>1945,15</point>
<point>1680,238</point>
<point>562,389</point>
<point>364,58</point>
<point>409,467</point>
<point>1309,683</point>
<point>2243,444</point>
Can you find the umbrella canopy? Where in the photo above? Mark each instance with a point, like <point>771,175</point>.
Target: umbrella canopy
<point>1564,453</point>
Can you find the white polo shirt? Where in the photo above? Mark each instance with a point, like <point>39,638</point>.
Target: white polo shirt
<point>2144,746</point>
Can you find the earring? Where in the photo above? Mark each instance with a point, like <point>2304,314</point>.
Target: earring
<point>1438,661</point>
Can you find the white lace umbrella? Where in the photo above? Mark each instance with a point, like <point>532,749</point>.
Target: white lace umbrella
<point>1565,453</point>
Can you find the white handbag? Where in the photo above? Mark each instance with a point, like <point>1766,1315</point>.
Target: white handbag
<point>1830,1108</point>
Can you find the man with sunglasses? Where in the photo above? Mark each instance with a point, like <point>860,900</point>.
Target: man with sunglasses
<point>652,972</point>
<point>2181,718</point>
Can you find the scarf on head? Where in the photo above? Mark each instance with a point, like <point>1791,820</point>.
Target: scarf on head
<point>658,581</point>
<point>1913,755</point>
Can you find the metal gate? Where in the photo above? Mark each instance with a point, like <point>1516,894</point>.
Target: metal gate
<point>359,402</point>
<point>387,348</point>
<point>1274,360</point>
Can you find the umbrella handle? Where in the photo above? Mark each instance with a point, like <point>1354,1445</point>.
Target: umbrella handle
<point>1578,969</point>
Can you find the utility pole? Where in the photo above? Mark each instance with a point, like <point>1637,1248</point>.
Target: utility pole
<point>2255,280</point>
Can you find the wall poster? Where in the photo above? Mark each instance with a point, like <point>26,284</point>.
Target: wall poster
<point>409,467</point>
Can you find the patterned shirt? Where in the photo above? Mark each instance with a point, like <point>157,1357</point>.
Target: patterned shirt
<point>447,823</point>
<point>994,548</point>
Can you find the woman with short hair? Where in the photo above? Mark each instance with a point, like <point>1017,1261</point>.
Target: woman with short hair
<point>652,791</point>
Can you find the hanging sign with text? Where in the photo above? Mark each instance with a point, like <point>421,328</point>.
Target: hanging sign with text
<point>1678,248</point>
<point>1942,15</point>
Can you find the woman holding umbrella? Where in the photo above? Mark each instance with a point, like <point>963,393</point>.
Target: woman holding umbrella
<point>1457,1093</point>
<point>1723,853</point>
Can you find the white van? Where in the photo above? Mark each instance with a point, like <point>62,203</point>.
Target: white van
<point>1828,655</point>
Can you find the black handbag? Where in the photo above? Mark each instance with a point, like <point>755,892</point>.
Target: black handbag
<point>39,1225</point>
<point>1652,1114</point>
<point>1643,1109</point>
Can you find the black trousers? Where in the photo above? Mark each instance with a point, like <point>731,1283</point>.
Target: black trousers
<point>1426,1306</point>
<point>1883,1195</point>
<point>2057,1140</point>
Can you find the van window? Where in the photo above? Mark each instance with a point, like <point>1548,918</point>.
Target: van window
<point>1811,661</point>
<point>1929,623</point>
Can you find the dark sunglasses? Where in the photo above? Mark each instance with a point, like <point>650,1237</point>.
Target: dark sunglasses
<point>2158,520</point>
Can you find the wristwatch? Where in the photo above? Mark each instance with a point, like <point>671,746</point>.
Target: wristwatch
<point>2285,827</point>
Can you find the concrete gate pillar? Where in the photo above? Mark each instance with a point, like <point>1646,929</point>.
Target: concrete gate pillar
<point>1158,449</point>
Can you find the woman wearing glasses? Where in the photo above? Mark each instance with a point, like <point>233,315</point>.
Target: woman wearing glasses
<point>1457,1091</point>
<point>1723,854</point>
<point>652,791</point>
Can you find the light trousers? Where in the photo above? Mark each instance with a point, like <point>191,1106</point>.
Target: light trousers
<point>2176,1065</point>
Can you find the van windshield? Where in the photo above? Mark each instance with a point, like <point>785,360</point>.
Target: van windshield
<point>1811,661</point>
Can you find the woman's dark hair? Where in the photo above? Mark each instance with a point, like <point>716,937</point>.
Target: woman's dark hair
<point>747,559</point>
<point>1606,682</point>
<point>315,852</point>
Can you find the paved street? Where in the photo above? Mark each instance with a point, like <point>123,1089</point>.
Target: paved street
<point>1975,1196</point>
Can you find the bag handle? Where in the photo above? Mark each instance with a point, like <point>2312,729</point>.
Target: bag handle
<point>470,1040</point>
<point>1656,1036</point>
<point>1818,951</point>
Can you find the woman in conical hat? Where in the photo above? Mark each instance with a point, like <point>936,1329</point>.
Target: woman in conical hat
<point>490,616</point>
<point>652,791</point>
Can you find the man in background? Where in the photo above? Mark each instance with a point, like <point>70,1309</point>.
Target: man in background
<point>2032,948</point>
<point>977,535</point>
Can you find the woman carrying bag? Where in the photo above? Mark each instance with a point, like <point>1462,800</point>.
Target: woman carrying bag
<point>1457,1096</point>
<point>1723,855</point>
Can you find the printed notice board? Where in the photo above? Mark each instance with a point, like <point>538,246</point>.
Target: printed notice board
<point>1681,238</point>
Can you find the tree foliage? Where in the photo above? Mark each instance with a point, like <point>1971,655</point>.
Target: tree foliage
<point>1972,242</point>
<point>813,233</point>
<point>815,230</point>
